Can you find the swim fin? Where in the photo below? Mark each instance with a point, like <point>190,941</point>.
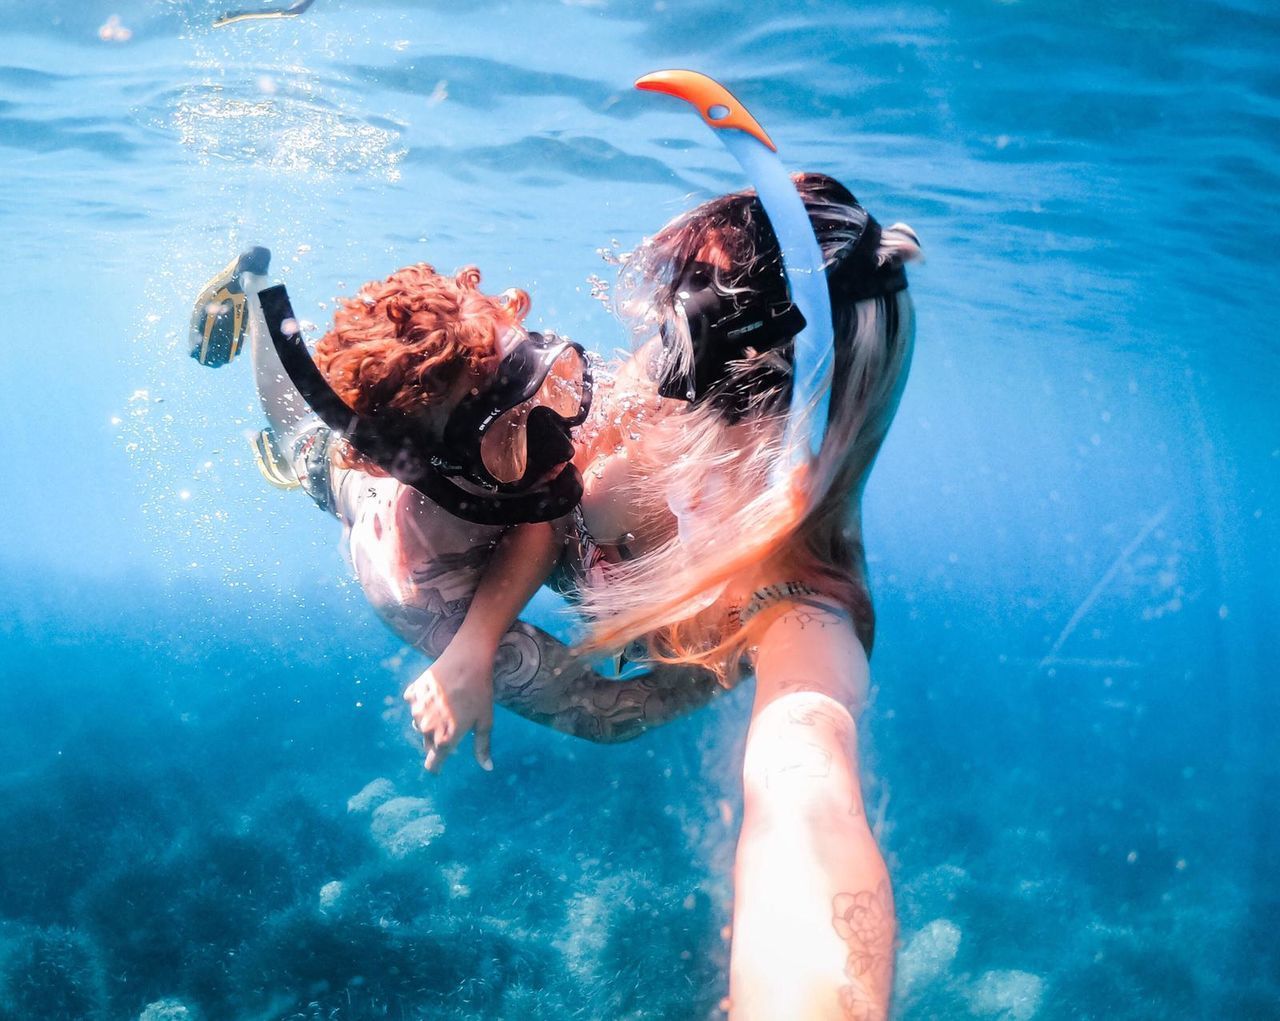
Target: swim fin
<point>273,464</point>
<point>221,316</point>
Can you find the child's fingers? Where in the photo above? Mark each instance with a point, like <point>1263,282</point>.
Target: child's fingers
<point>436,752</point>
<point>436,757</point>
<point>482,748</point>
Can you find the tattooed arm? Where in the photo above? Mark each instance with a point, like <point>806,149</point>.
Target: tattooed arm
<point>534,675</point>
<point>540,678</point>
<point>544,681</point>
<point>813,925</point>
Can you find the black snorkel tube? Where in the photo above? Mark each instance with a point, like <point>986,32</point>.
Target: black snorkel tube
<point>398,444</point>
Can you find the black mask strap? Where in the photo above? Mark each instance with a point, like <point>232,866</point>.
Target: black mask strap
<point>854,273</point>
<point>400,449</point>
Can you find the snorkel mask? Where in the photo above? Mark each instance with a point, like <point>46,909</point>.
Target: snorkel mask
<point>786,297</point>
<point>723,326</point>
<point>757,314</point>
<point>511,434</point>
<point>506,439</point>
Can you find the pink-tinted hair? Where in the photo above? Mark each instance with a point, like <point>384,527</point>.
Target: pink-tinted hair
<point>703,483</point>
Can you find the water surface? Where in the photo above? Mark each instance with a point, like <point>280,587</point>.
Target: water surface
<point>1072,527</point>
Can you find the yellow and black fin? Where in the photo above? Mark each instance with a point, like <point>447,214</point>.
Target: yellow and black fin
<point>221,314</point>
<point>275,467</point>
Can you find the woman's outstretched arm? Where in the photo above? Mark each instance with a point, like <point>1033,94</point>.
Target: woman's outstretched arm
<point>813,926</point>
<point>547,683</point>
<point>534,674</point>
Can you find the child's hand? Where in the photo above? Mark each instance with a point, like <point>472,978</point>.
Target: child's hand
<point>454,696</point>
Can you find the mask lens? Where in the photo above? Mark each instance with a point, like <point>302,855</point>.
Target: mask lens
<point>504,447</point>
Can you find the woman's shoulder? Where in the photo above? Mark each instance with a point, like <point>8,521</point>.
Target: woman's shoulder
<point>608,516</point>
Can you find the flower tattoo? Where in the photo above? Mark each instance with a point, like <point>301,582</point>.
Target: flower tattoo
<point>864,921</point>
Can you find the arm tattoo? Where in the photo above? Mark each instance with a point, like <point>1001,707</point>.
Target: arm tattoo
<point>814,613</point>
<point>811,712</point>
<point>804,761</point>
<point>428,625</point>
<point>865,922</point>
<point>542,680</point>
<point>561,690</point>
<point>808,686</point>
<point>807,760</point>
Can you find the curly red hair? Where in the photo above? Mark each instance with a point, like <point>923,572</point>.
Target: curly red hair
<point>405,342</point>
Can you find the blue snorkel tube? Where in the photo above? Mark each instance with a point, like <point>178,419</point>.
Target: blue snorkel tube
<point>802,257</point>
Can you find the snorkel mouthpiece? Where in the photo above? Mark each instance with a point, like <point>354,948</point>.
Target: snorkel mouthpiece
<point>802,258</point>
<point>716,104</point>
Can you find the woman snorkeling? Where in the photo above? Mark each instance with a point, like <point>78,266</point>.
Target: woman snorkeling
<point>699,552</point>
<point>721,519</point>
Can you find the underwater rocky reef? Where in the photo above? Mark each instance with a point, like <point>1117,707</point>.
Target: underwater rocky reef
<point>201,822</point>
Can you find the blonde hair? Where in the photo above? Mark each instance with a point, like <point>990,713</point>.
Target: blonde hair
<point>702,480</point>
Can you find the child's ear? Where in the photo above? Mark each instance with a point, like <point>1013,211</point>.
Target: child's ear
<point>517,302</point>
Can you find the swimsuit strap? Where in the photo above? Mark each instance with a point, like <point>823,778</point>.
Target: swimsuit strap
<point>783,592</point>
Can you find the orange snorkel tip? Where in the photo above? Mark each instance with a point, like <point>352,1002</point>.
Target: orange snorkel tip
<point>714,103</point>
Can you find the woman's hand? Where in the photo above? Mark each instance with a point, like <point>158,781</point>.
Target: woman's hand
<point>452,697</point>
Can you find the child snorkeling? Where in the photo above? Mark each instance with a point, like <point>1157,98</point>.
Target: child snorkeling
<point>436,428</point>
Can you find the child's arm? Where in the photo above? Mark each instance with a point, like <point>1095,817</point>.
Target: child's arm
<point>455,694</point>
<point>534,674</point>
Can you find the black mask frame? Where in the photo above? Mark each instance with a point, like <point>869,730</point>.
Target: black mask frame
<point>759,314</point>
<point>521,374</point>
<point>402,447</point>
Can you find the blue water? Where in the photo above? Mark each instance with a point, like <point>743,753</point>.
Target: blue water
<point>1071,754</point>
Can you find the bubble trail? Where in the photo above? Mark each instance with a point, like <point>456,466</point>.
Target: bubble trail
<point>1103,582</point>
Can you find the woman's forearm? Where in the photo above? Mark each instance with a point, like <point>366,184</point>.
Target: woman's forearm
<point>543,680</point>
<point>814,926</point>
